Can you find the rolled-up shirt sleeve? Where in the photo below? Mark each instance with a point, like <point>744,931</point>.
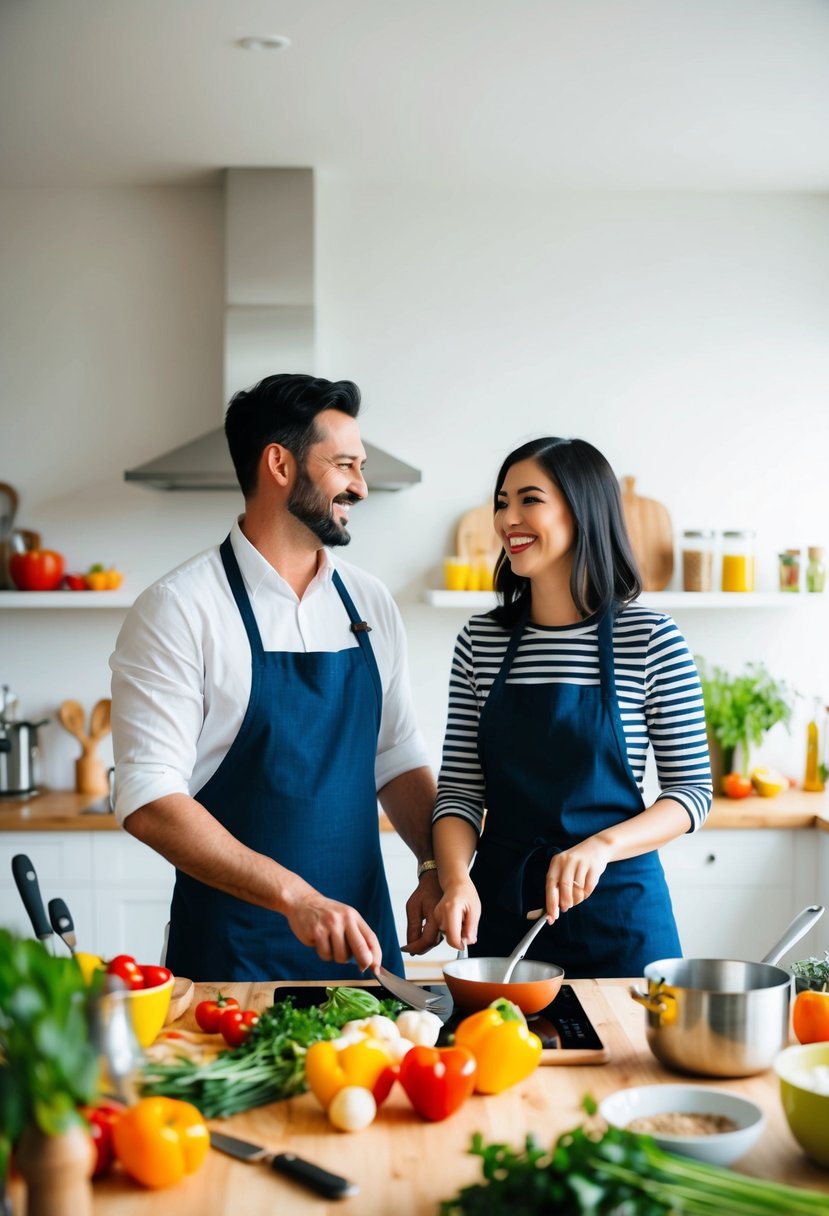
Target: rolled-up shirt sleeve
<point>157,701</point>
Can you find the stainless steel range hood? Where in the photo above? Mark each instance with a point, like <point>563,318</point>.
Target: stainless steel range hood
<point>269,322</point>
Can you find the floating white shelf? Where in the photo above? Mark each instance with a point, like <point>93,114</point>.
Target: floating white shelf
<point>654,599</point>
<point>65,599</point>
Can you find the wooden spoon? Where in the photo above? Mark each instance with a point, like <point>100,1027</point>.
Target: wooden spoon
<point>72,717</point>
<point>99,722</point>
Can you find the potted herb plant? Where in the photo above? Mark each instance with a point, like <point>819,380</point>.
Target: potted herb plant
<point>739,709</point>
<point>48,1067</point>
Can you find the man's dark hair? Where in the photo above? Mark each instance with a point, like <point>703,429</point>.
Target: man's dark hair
<point>281,409</point>
<point>605,574</point>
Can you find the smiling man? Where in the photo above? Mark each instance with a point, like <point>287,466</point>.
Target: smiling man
<point>261,705</point>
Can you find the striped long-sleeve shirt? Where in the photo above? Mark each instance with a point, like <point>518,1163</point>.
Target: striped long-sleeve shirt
<point>657,686</point>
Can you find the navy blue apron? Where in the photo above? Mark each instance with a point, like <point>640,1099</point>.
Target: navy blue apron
<point>557,771</point>
<point>296,785</point>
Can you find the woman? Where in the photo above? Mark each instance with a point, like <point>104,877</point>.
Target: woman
<point>554,698</point>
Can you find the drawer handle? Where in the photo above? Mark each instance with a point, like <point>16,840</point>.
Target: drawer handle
<point>711,859</point>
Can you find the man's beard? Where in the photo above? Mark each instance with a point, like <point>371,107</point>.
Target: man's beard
<point>311,506</point>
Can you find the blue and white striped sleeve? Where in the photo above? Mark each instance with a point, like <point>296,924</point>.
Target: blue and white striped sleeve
<point>676,722</point>
<point>461,781</point>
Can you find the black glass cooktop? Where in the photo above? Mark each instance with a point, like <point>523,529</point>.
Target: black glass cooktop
<point>564,1024</point>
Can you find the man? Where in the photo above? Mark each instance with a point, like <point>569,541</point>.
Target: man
<point>261,705</point>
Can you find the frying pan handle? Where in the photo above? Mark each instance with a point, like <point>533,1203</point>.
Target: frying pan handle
<point>800,925</point>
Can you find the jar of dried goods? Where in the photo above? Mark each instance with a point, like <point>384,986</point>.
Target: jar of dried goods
<point>697,560</point>
<point>789,570</point>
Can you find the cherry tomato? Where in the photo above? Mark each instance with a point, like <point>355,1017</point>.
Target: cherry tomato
<point>736,785</point>
<point>153,977</point>
<point>127,969</point>
<point>810,1016</point>
<point>74,582</point>
<point>101,1119</point>
<point>235,1025</point>
<point>208,1013</point>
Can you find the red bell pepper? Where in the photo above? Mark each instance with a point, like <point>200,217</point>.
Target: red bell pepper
<point>437,1080</point>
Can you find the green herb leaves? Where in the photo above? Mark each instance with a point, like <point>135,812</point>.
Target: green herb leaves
<point>740,709</point>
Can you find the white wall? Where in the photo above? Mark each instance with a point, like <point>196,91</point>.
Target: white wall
<point>684,335</point>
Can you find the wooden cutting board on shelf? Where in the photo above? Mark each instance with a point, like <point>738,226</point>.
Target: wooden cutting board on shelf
<point>476,536</point>
<point>651,536</point>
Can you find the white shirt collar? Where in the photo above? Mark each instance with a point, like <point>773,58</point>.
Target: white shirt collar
<point>257,572</point>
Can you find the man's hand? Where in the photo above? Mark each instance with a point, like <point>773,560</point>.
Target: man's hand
<point>335,931</point>
<point>422,930</point>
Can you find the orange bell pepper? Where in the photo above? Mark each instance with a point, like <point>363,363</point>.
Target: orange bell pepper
<point>99,579</point>
<point>505,1050</point>
<point>366,1064</point>
<point>810,1016</point>
<point>160,1140</point>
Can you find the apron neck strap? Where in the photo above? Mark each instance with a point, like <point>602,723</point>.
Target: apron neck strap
<point>360,634</point>
<point>606,664</point>
<point>237,586</point>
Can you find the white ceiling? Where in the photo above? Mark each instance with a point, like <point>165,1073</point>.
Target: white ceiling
<point>572,94</point>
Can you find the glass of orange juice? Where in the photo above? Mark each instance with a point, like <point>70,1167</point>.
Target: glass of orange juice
<point>456,573</point>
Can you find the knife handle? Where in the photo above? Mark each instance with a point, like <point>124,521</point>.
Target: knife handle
<point>61,917</point>
<point>332,1186</point>
<point>27,885</point>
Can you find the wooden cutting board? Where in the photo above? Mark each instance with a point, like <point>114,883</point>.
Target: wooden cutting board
<point>476,535</point>
<point>651,536</point>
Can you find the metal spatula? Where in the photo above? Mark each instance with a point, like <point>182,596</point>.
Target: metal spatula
<point>62,923</point>
<point>413,994</point>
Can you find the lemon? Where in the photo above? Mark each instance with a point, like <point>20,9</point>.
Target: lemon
<point>89,964</point>
<point>767,782</point>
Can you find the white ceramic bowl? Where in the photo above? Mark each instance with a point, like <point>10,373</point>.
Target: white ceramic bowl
<point>719,1148</point>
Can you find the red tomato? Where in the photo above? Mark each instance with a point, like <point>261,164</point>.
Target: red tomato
<point>153,977</point>
<point>75,582</point>
<point>736,785</point>
<point>36,570</point>
<point>236,1024</point>
<point>127,969</point>
<point>101,1119</point>
<point>208,1013</point>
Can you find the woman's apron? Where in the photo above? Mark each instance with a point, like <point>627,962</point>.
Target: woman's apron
<point>296,785</point>
<point>557,771</point>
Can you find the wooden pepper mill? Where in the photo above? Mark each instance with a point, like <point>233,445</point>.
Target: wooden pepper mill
<point>90,774</point>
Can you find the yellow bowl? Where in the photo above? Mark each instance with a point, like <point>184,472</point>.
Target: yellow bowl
<point>148,1009</point>
<point>803,1071</point>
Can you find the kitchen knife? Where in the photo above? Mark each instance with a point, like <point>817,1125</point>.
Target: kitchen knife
<point>27,885</point>
<point>332,1186</point>
<point>413,994</point>
<point>62,922</point>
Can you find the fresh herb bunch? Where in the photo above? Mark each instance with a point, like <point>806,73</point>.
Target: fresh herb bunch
<point>740,709</point>
<point>618,1173</point>
<point>270,1063</point>
<point>815,970</point>
<point>48,1065</point>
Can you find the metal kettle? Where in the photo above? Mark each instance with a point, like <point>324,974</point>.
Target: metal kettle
<point>18,750</point>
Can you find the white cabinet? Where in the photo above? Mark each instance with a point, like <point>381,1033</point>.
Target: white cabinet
<point>734,892</point>
<point>117,889</point>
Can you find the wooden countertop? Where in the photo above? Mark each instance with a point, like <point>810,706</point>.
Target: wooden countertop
<point>405,1165</point>
<point>62,811</point>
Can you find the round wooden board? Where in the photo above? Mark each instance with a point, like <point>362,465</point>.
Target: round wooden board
<point>183,990</point>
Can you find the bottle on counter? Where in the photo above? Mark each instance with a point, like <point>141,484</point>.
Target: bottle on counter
<point>697,560</point>
<point>739,570</point>
<point>789,570</point>
<point>815,571</point>
<point>813,779</point>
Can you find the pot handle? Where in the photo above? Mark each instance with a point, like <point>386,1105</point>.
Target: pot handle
<point>651,1003</point>
<point>800,925</point>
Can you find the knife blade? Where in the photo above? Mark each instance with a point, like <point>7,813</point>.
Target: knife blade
<point>413,994</point>
<point>27,884</point>
<point>62,923</point>
<point>332,1186</point>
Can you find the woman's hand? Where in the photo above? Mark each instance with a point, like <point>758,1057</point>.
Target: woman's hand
<point>458,914</point>
<point>573,875</point>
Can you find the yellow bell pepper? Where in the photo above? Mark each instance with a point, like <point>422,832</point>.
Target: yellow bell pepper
<point>99,579</point>
<point>505,1049</point>
<point>366,1063</point>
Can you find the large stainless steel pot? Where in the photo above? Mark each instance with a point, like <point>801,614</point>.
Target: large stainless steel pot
<point>718,1017</point>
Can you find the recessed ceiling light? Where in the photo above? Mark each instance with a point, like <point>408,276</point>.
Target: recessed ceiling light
<point>264,42</point>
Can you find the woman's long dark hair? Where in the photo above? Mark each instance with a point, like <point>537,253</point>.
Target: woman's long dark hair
<point>604,574</point>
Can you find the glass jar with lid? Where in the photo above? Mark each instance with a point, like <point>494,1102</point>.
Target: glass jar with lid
<point>739,569</point>
<point>815,571</point>
<point>697,560</point>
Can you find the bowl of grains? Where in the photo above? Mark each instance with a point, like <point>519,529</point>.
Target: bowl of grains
<point>712,1125</point>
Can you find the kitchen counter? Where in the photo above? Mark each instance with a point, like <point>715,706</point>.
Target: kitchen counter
<point>405,1165</point>
<point>64,811</point>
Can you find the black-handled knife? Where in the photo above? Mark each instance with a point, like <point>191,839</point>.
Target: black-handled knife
<point>27,884</point>
<point>62,922</point>
<point>332,1186</point>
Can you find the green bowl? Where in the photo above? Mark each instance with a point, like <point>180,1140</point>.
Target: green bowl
<point>806,1109</point>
